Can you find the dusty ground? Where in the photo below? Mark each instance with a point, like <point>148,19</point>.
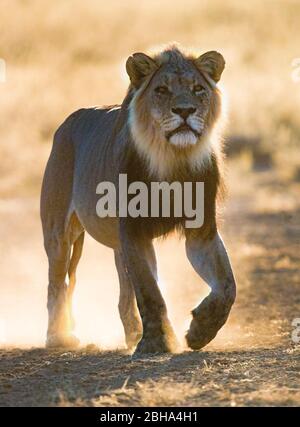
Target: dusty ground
<point>253,361</point>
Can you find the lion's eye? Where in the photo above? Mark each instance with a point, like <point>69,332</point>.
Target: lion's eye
<point>162,89</point>
<point>198,89</point>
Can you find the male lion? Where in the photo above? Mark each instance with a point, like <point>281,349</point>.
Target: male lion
<point>163,131</point>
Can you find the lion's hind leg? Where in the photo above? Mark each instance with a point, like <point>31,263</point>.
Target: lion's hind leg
<point>75,258</point>
<point>61,229</point>
<point>60,324</point>
<point>128,307</point>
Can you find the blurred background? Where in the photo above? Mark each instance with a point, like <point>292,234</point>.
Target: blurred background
<point>61,55</point>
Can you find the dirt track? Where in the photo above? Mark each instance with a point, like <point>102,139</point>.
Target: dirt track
<point>253,361</point>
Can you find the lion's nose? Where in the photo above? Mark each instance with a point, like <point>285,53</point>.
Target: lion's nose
<point>184,112</point>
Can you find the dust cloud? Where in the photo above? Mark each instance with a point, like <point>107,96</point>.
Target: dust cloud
<point>23,292</point>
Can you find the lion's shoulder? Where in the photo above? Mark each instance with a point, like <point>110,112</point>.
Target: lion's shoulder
<point>88,120</point>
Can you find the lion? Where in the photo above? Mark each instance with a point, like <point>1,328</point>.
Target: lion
<point>164,130</point>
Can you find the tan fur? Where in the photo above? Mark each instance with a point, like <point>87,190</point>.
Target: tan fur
<point>162,157</point>
<point>172,110</point>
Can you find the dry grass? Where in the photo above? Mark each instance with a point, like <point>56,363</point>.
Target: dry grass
<point>263,377</point>
<point>164,392</point>
<point>62,55</point>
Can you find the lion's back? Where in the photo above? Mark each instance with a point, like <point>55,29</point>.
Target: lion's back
<point>93,132</point>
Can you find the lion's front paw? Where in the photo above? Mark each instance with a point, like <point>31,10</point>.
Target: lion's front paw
<point>197,337</point>
<point>157,344</point>
<point>62,341</point>
<point>152,346</point>
<point>208,318</point>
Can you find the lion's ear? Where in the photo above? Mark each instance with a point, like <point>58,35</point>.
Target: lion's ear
<point>212,63</point>
<point>139,66</point>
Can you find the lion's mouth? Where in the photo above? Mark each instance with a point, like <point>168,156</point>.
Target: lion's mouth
<point>182,128</point>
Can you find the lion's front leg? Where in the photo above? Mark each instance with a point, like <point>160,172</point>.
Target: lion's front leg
<point>139,260</point>
<point>211,262</point>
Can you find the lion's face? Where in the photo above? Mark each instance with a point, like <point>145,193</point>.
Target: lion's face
<point>175,106</point>
<point>179,103</point>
